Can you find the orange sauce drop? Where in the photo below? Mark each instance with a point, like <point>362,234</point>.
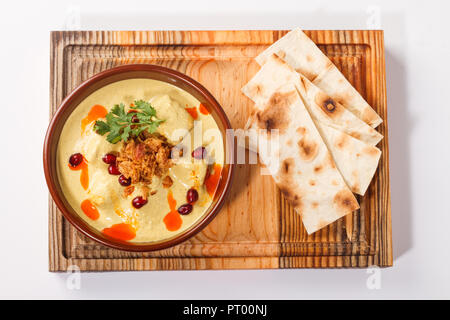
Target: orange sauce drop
<point>172,220</point>
<point>192,111</point>
<point>121,231</point>
<point>96,112</point>
<point>212,180</point>
<point>203,109</point>
<point>89,209</point>
<point>84,176</point>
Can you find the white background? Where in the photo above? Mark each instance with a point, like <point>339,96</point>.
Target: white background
<point>417,62</point>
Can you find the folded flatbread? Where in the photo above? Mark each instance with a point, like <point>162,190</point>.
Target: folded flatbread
<point>356,160</point>
<point>299,161</point>
<point>302,54</point>
<point>321,106</point>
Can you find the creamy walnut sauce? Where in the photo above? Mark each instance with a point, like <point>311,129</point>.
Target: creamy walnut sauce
<point>93,189</point>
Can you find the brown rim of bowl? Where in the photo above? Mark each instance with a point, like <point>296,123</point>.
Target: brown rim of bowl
<point>51,143</point>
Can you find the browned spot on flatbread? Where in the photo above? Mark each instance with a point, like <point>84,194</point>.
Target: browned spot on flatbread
<point>371,151</point>
<point>287,184</point>
<point>355,135</point>
<point>342,141</point>
<point>291,196</point>
<point>328,162</point>
<point>289,142</point>
<point>256,90</point>
<point>315,205</point>
<point>309,75</point>
<point>328,105</point>
<point>309,58</point>
<point>345,201</point>
<point>308,149</point>
<point>276,113</point>
<point>287,166</point>
<point>301,130</point>
<point>355,187</point>
<point>312,182</point>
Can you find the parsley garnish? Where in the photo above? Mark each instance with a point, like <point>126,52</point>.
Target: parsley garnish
<point>120,126</point>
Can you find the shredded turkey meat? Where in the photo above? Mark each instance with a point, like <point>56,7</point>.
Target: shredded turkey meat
<point>144,157</point>
<point>167,182</point>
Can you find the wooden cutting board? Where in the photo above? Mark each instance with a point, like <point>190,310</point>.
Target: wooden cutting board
<point>256,228</point>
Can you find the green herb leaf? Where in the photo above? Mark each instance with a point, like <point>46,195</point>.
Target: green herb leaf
<point>101,127</point>
<point>113,137</point>
<point>120,126</point>
<point>146,108</point>
<point>126,133</point>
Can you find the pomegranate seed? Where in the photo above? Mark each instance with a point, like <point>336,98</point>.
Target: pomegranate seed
<point>112,169</point>
<point>76,159</point>
<point>199,153</point>
<point>124,181</point>
<point>191,195</point>
<point>185,209</point>
<point>134,119</point>
<point>138,202</point>
<point>109,158</point>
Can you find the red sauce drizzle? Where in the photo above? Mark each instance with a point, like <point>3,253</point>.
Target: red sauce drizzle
<point>121,231</point>
<point>97,111</point>
<point>212,180</point>
<point>84,176</point>
<point>203,109</point>
<point>172,220</point>
<point>90,210</point>
<point>192,111</point>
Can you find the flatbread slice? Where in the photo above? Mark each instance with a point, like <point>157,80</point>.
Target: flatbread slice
<point>356,160</point>
<point>302,54</point>
<point>299,161</point>
<point>322,107</point>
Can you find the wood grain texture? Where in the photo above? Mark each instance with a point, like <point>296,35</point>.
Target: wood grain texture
<point>256,228</point>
